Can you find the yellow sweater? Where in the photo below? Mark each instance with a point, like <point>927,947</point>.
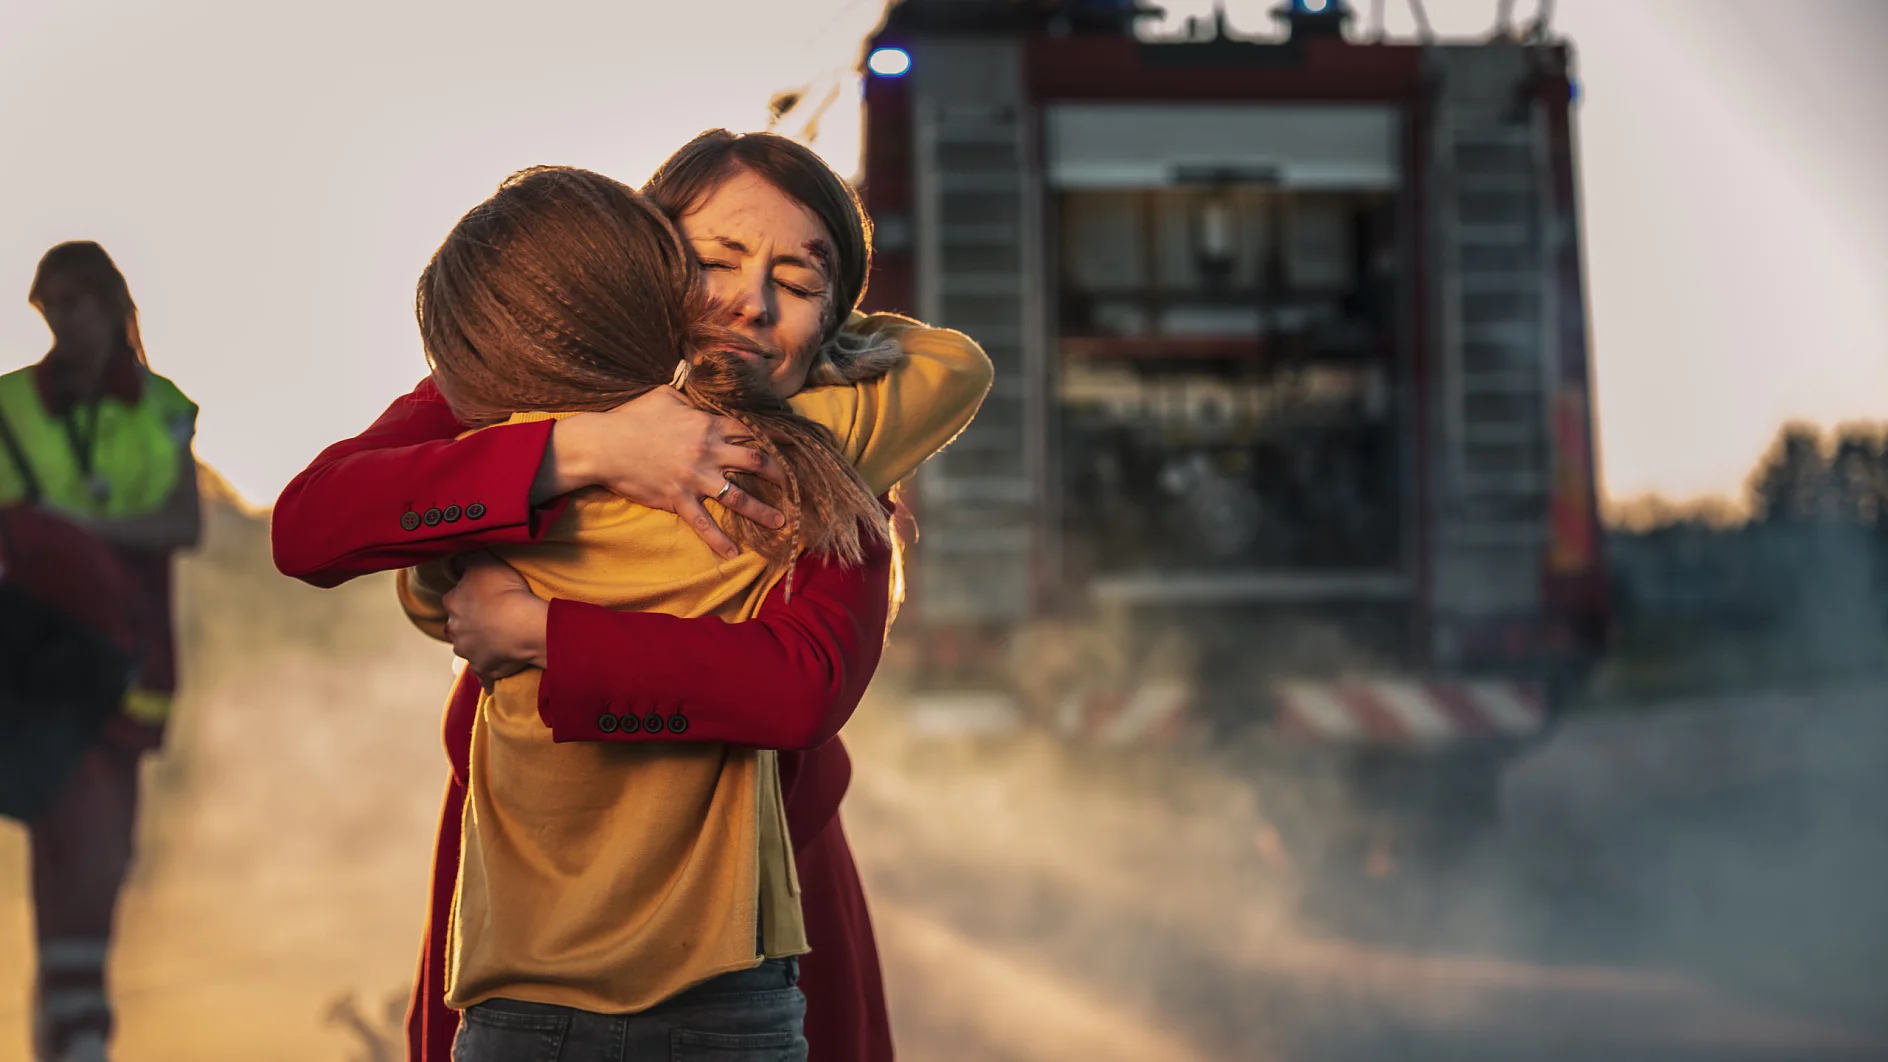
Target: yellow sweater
<point>609,877</point>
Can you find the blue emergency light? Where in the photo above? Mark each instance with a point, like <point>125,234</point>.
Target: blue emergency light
<point>889,62</point>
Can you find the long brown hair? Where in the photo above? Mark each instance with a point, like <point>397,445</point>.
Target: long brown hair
<point>567,290</point>
<point>86,266</point>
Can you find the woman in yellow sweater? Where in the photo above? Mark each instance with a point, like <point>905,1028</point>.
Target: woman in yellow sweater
<point>610,879</point>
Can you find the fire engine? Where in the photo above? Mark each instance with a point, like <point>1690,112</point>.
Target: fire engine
<point>1290,443</point>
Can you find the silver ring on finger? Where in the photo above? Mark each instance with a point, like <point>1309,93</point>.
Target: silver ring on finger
<point>726,486</point>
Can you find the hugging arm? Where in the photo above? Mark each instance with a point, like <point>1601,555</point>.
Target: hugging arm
<point>787,679</point>
<point>409,489</point>
<point>889,425</point>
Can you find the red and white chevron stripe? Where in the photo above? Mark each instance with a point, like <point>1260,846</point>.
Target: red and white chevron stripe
<point>1374,711</point>
<point>1154,712</point>
<point>1408,712</point>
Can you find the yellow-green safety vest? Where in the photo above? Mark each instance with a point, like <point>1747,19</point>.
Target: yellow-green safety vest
<point>136,448</point>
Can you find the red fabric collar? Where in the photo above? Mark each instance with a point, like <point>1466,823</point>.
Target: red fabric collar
<point>124,380</point>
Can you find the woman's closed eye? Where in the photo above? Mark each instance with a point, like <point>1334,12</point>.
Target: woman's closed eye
<point>807,292</point>
<point>799,290</point>
<point>709,265</point>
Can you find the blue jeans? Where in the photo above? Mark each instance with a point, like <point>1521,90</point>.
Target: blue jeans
<point>746,1016</point>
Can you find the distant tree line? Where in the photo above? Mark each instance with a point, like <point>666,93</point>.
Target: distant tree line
<point>1805,565</point>
<point>1809,479</point>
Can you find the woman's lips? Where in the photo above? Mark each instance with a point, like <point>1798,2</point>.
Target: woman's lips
<point>757,356</point>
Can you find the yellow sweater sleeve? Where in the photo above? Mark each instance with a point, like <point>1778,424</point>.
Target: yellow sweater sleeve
<point>889,426</point>
<point>422,591</point>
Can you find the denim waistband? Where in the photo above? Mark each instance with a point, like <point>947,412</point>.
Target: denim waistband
<point>771,975</point>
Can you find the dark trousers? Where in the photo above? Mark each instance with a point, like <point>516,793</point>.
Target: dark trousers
<point>749,1016</point>
<point>81,850</point>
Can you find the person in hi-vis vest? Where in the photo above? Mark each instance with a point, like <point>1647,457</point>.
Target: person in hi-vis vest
<point>103,442</point>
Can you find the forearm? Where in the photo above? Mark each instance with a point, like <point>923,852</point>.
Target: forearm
<point>784,694</point>
<point>407,491</point>
<point>788,679</point>
<point>567,464</point>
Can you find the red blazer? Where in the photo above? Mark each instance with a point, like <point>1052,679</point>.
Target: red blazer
<point>405,491</point>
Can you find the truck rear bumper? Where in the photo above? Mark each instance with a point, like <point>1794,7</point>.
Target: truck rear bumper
<point>1357,714</point>
<point>1407,712</point>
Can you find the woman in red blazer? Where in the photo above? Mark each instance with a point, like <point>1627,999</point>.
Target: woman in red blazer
<point>802,665</point>
<point>408,490</point>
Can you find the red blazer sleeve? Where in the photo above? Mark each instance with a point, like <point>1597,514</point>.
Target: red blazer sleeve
<point>406,490</point>
<point>803,666</point>
<point>787,679</point>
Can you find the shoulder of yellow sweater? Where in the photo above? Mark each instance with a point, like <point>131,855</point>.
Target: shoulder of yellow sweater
<point>970,369</point>
<point>903,327</point>
<point>959,351</point>
<point>873,323</point>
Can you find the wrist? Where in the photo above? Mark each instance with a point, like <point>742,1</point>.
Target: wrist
<point>568,462</point>
<point>536,647</point>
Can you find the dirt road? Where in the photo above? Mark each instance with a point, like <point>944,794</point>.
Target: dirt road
<point>1032,905</point>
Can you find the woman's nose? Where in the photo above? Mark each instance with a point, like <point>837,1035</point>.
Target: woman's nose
<point>751,302</point>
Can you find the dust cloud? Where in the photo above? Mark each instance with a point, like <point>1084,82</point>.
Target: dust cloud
<point>1707,887</point>
<point>1694,895</point>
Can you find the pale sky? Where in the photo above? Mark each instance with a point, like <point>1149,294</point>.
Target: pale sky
<point>272,177</point>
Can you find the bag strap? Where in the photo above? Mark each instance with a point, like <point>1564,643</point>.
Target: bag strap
<point>18,454</point>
